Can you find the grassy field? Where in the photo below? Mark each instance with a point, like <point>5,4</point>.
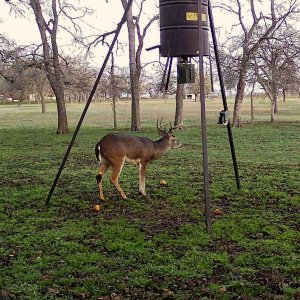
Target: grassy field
<point>100,114</point>
<point>154,248</point>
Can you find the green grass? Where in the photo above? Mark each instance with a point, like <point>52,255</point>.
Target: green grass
<point>154,248</point>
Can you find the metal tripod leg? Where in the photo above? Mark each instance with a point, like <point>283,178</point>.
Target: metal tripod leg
<point>203,125</point>
<point>168,66</point>
<point>229,131</point>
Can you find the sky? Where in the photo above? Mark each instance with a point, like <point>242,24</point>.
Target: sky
<point>24,29</point>
<point>105,18</point>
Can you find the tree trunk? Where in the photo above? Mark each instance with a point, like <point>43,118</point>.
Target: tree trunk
<point>179,106</point>
<point>252,103</point>
<point>237,121</point>
<point>273,111</point>
<point>276,105</point>
<point>115,114</point>
<point>135,104</point>
<point>165,96</point>
<point>113,85</point>
<point>43,104</point>
<point>274,108</point>
<point>283,95</point>
<point>39,90</point>
<point>62,124</point>
<point>134,72</point>
<point>273,96</point>
<point>52,65</point>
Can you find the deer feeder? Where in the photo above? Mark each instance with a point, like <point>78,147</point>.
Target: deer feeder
<point>179,35</point>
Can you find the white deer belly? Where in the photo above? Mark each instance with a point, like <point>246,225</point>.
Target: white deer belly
<point>133,161</point>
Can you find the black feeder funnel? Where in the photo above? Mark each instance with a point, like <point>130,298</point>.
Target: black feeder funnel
<point>184,35</point>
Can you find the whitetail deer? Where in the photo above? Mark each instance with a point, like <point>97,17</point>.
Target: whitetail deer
<point>114,149</point>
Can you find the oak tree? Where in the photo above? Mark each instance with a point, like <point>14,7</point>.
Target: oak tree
<point>136,39</point>
<point>256,24</point>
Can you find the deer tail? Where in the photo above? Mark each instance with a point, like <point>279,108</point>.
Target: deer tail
<point>97,152</point>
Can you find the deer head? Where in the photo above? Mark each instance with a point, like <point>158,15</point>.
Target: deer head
<point>168,134</point>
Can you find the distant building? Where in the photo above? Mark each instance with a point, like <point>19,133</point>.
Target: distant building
<point>190,96</point>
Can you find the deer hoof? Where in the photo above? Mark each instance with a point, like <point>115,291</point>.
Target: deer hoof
<point>123,196</point>
<point>146,197</point>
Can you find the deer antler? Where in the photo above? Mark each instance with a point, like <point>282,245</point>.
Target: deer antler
<point>174,127</point>
<point>158,126</point>
<point>162,128</point>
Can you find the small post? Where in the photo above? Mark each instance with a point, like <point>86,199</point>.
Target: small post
<point>203,124</point>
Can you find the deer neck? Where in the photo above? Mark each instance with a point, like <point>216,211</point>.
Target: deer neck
<point>162,146</point>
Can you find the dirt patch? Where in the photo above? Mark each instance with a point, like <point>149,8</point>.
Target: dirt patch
<point>156,218</point>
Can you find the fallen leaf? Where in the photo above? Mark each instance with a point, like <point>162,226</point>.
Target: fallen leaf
<point>163,182</point>
<point>222,289</point>
<point>218,212</point>
<point>97,207</point>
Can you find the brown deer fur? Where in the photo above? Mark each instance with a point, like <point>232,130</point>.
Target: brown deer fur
<point>114,149</point>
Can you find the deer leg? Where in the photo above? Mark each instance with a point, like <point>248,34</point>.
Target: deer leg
<point>102,170</point>
<point>142,172</point>
<point>116,170</point>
